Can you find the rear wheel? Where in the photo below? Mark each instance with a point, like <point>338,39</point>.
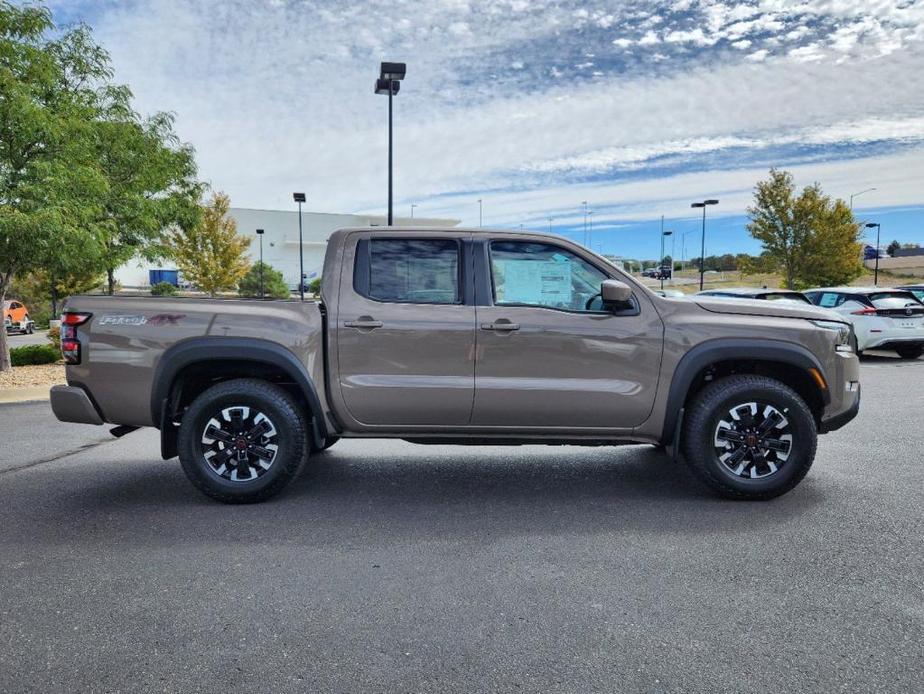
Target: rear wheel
<point>28,328</point>
<point>910,352</point>
<point>749,437</point>
<point>242,441</point>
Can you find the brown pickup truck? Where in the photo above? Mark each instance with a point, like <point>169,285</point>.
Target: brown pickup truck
<point>462,337</point>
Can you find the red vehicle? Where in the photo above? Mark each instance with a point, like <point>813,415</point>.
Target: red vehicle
<point>16,317</point>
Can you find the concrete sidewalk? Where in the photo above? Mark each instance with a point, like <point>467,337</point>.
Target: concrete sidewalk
<point>24,394</point>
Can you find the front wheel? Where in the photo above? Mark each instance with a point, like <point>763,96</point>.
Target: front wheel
<point>242,441</point>
<point>29,327</point>
<point>749,437</point>
<point>911,352</point>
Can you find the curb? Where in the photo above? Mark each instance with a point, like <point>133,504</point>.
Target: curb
<point>24,394</point>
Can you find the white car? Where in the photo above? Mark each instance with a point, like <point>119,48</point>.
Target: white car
<point>890,319</point>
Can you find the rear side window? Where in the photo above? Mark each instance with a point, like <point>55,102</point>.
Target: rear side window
<point>829,299</point>
<point>411,271</point>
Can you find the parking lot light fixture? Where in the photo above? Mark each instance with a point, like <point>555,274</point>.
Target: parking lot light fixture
<point>870,225</point>
<point>389,82</point>
<point>854,195</point>
<point>412,210</point>
<point>480,215</point>
<point>300,198</point>
<point>702,253</point>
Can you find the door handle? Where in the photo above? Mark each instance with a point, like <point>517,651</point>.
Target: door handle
<point>364,324</point>
<point>500,326</point>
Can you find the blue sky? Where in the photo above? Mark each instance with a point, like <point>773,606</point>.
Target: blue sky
<point>639,108</point>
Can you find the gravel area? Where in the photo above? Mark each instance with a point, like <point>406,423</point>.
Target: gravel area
<point>25,376</point>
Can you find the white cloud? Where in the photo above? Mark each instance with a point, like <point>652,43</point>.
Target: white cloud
<point>276,98</point>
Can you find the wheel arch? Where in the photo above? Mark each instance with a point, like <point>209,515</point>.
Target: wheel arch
<point>787,362</point>
<point>187,368</point>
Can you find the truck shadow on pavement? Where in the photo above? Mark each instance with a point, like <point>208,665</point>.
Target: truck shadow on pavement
<point>423,492</point>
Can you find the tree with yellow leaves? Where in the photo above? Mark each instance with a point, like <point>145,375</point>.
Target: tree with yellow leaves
<point>211,253</point>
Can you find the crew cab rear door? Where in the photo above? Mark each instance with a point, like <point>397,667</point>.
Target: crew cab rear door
<point>550,357</point>
<point>406,329</point>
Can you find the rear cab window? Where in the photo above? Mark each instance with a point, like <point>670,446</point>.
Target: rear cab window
<point>409,271</point>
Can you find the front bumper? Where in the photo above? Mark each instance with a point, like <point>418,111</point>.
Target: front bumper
<point>72,404</point>
<point>839,420</point>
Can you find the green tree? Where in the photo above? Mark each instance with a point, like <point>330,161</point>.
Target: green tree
<point>211,254</point>
<point>808,238</point>
<point>152,186</point>
<point>52,90</point>
<point>892,247</point>
<point>273,284</point>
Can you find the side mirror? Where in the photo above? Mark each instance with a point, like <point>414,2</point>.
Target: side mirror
<point>615,292</point>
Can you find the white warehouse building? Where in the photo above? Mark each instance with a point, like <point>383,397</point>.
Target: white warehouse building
<point>280,240</point>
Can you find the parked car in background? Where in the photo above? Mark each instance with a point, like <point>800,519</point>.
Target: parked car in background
<point>762,294</point>
<point>669,293</point>
<point>16,317</point>
<point>889,319</point>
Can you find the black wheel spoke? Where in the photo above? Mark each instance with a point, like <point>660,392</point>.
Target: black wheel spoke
<point>730,435</point>
<point>237,420</point>
<point>215,433</point>
<point>262,453</point>
<point>776,445</point>
<point>262,428</point>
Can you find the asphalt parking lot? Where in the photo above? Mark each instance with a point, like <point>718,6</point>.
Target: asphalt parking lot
<point>392,567</point>
<point>39,337</point>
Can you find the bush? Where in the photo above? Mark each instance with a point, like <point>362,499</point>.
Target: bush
<point>54,337</point>
<point>163,289</point>
<point>34,354</point>
<point>314,286</point>
<point>273,284</point>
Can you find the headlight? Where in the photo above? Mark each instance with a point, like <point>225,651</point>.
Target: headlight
<point>842,333</point>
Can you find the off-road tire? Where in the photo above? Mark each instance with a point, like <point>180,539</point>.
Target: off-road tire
<point>712,405</point>
<point>910,352</point>
<point>289,420</point>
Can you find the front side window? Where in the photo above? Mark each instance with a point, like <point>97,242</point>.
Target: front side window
<point>541,274</point>
<point>415,271</point>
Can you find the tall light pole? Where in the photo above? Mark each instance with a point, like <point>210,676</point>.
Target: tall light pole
<point>300,198</point>
<point>870,225</point>
<point>853,195</point>
<point>584,204</point>
<point>550,225</point>
<point>260,234</point>
<point>480,215</point>
<point>661,262</point>
<point>389,82</point>
<point>683,247</point>
<point>590,229</point>
<point>412,210</point>
<point>702,253</point>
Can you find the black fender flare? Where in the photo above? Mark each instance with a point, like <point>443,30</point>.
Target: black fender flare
<point>211,349</point>
<point>726,349</point>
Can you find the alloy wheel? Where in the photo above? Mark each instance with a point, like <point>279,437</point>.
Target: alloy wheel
<point>754,440</point>
<point>239,443</point>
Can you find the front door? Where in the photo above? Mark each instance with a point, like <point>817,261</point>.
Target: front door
<point>405,333</point>
<point>549,356</point>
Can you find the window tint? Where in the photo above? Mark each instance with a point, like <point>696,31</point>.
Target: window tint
<point>541,274</point>
<point>892,299</point>
<point>784,296</point>
<point>424,271</point>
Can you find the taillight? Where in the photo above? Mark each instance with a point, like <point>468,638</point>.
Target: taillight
<point>869,311</point>
<point>70,345</point>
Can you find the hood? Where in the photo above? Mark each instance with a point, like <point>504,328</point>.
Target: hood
<point>758,307</point>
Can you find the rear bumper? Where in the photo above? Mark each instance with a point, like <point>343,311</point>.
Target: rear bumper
<point>72,404</point>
